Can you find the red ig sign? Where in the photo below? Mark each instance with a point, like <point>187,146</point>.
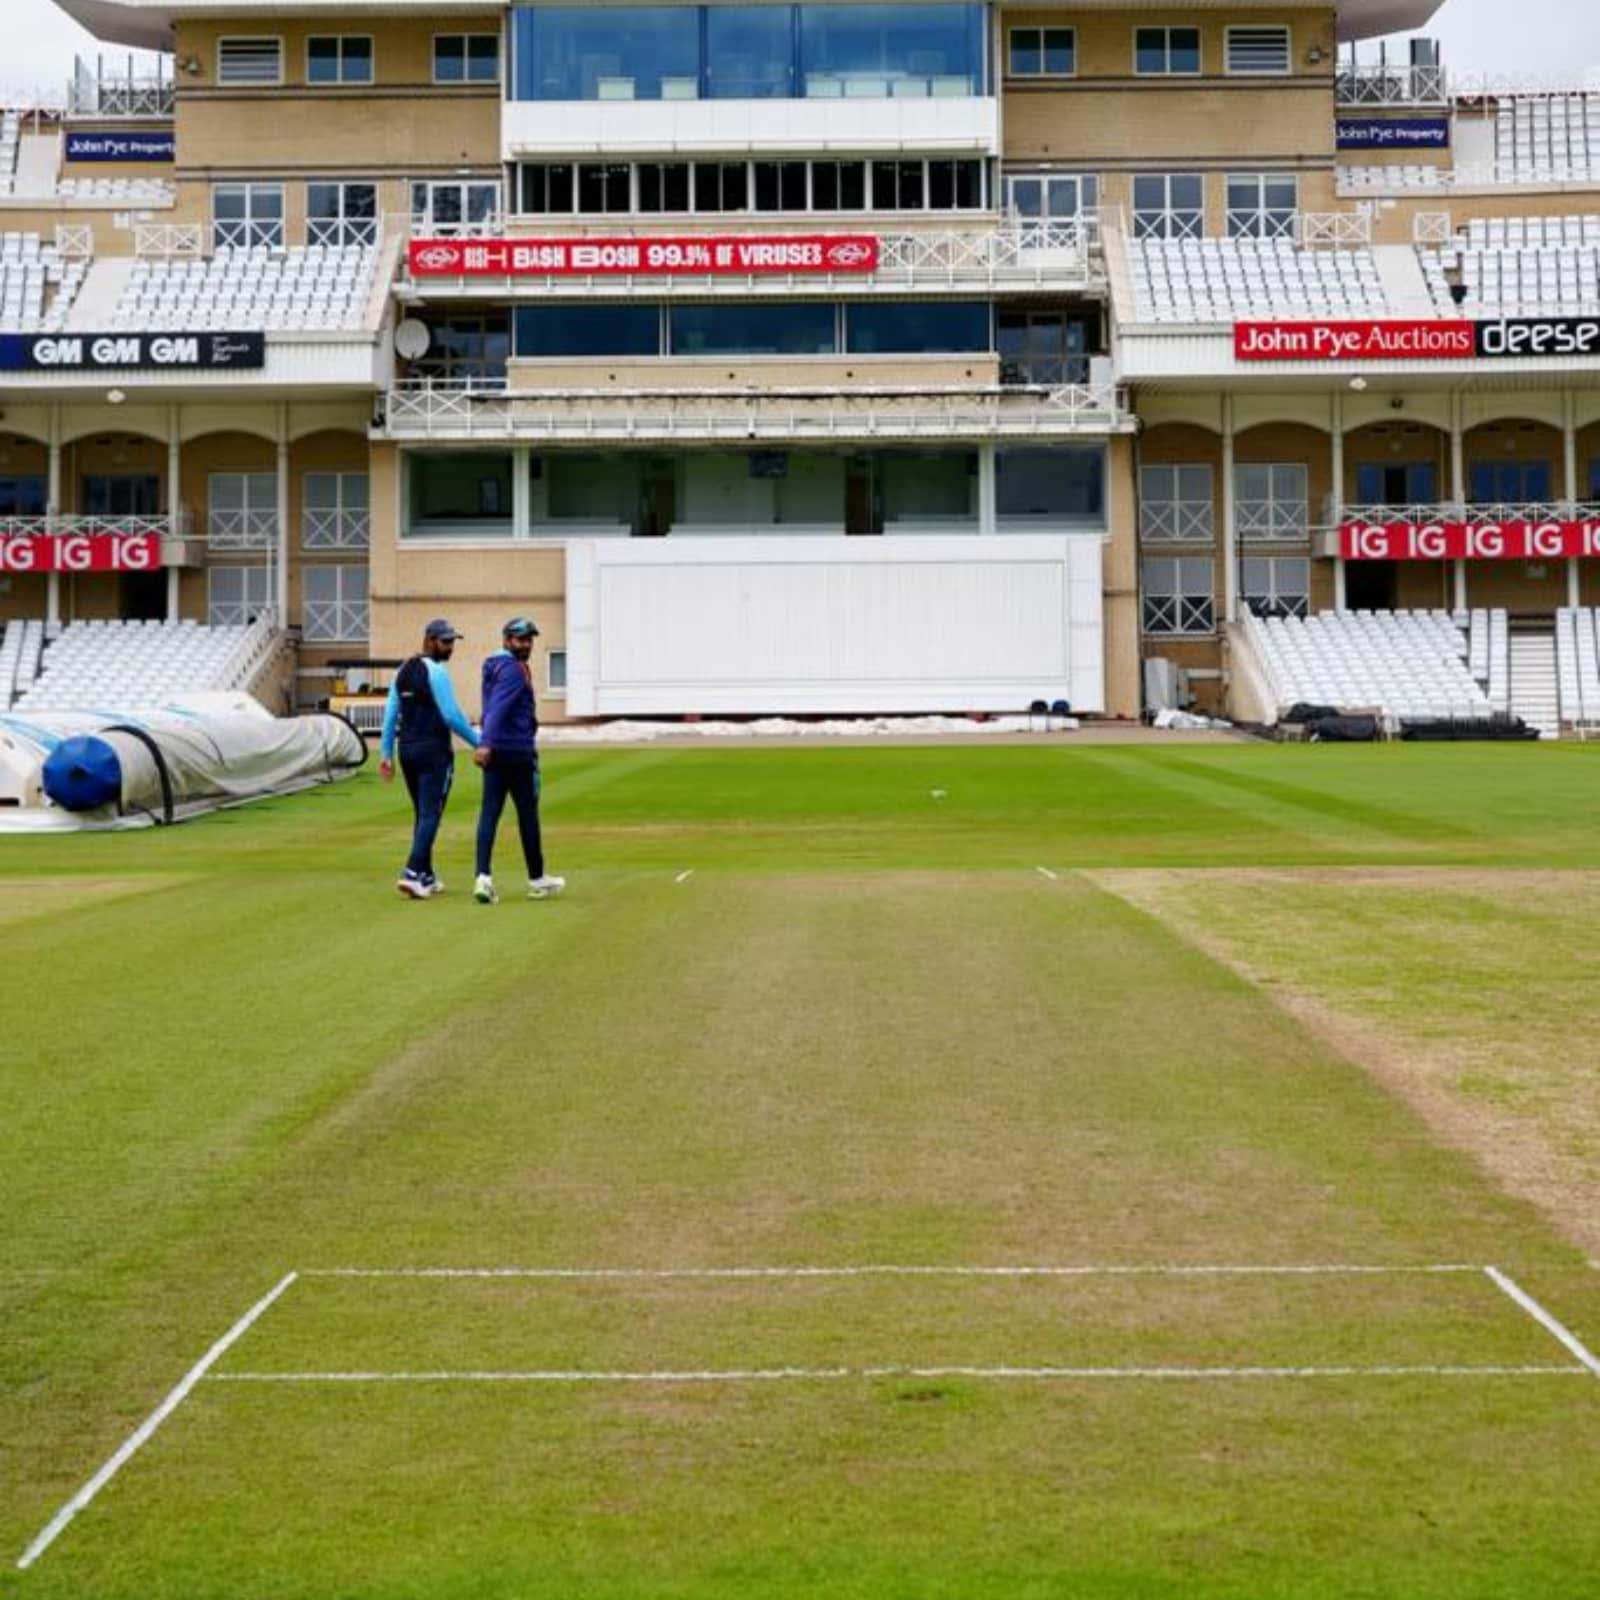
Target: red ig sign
<point>80,552</point>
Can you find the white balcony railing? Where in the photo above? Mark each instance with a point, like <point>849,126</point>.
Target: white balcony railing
<point>342,232</point>
<point>485,409</point>
<point>335,529</point>
<point>1386,84</point>
<point>1340,229</point>
<point>1177,522</point>
<point>242,530</point>
<point>75,240</point>
<point>1272,521</point>
<point>1018,254</point>
<point>1476,513</point>
<point>164,525</point>
<point>95,92</point>
<point>335,621</point>
<point>181,239</point>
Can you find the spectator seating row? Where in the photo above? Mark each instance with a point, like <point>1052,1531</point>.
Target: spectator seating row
<point>37,285</point>
<point>315,287</point>
<point>126,665</point>
<point>1216,280</point>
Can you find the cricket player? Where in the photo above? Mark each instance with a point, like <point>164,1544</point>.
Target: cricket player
<point>423,711</point>
<point>510,761</point>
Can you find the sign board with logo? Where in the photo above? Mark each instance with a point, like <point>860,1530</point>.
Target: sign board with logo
<point>117,146</point>
<point>80,552</point>
<point>1393,133</point>
<point>115,352</point>
<point>1468,541</point>
<point>1443,339</point>
<point>652,257</point>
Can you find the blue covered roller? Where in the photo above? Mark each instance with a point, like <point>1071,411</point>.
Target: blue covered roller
<point>82,773</point>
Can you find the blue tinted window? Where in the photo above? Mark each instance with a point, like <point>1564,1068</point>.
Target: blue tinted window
<point>749,52</point>
<point>588,330</point>
<point>1067,483</point>
<point>796,329</point>
<point>906,327</point>
<point>22,497</point>
<point>608,53</point>
<point>867,51</point>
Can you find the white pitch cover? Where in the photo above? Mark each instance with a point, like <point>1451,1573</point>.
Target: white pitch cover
<point>827,624</point>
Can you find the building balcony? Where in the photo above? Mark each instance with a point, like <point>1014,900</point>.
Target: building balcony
<point>74,542</point>
<point>1382,84</point>
<point>487,410</point>
<point>1055,257</point>
<point>1446,513</point>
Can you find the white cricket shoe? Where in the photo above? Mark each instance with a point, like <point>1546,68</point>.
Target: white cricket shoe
<point>483,890</point>
<point>543,888</point>
<point>412,886</point>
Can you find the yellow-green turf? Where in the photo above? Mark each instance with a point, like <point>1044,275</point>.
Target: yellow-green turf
<point>865,1030</point>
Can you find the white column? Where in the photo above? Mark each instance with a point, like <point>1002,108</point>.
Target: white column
<point>521,493</point>
<point>52,612</point>
<point>1230,531</point>
<point>281,592</point>
<point>1458,489</point>
<point>986,489</point>
<point>1569,467</point>
<point>1336,457</point>
<point>174,504</point>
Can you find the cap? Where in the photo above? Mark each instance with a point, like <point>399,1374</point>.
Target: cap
<point>521,628</point>
<point>440,629</point>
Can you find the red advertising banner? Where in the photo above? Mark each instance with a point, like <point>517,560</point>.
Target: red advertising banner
<point>660,257</point>
<point>1468,541</point>
<point>1355,341</point>
<point>80,552</point>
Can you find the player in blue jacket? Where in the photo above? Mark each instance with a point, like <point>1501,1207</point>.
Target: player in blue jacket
<point>422,711</point>
<point>510,761</point>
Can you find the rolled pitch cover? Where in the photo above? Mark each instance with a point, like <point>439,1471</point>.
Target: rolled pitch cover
<point>83,774</point>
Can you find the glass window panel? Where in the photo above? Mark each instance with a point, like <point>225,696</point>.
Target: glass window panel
<point>1183,50</point>
<point>460,491</point>
<point>1060,50</point>
<point>825,186</point>
<point>781,329</point>
<point>607,52</point>
<point>912,326</point>
<point>449,58</point>
<point>749,52</point>
<point>1150,50</point>
<point>585,330</point>
<point>322,201</point>
<point>969,185</point>
<point>535,190</point>
<point>483,58</point>
<point>1066,483</point>
<point>1027,52</point>
<point>358,60</point>
<point>854,51</point>
<point>322,60</point>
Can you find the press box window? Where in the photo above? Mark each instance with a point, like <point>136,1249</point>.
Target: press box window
<point>552,332</point>
<point>464,494</point>
<point>1066,485</point>
<point>1166,52</point>
<point>250,61</point>
<point>466,58</point>
<point>1043,52</point>
<point>912,327</point>
<point>339,58</point>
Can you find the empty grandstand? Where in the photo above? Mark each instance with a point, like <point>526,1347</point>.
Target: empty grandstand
<point>124,666</point>
<point>1514,264</point>
<point>318,286</point>
<point>37,284</point>
<point>1217,280</point>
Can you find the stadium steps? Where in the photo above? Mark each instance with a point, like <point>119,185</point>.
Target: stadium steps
<point>1400,273</point>
<point>38,166</point>
<point>1534,693</point>
<point>97,299</point>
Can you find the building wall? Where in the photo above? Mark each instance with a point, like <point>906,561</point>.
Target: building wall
<point>757,372</point>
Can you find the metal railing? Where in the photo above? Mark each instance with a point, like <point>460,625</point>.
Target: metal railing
<point>1179,614</point>
<point>342,232</point>
<point>74,240</point>
<point>1340,229</point>
<point>1391,84</point>
<point>164,525</point>
<point>1476,513</point>
<point>334,528</point>
<point>483,408</point>
<point>171,239</point>
<point>335,621</point>
<point>1432,228</point>
<point>1177,522</point>
<point>1272,521</point>
<point>242,530</point>
<point>239,234</point>
<point>1259,222</point>
<point>134,96</point>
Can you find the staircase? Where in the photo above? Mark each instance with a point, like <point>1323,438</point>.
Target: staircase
<point>1534,693</point>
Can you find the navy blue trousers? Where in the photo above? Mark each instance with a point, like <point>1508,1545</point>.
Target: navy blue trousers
<point>428,775</point>
<point>518,778</point>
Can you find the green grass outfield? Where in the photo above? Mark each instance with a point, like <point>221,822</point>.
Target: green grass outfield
<point>866,1030</point>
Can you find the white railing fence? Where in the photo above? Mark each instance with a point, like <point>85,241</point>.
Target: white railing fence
<point>1339,229</point>
<point>1177,521</point>
<point>334,529</point>
<point>169,239</point>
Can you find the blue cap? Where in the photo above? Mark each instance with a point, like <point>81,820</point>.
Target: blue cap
<point>440,629</point>
<point>521,628</point>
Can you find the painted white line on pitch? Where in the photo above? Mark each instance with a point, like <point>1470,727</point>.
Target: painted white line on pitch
<point>1045,872</point>
<point>141,1435</point>
<point>684,877</point>
<point>831,1374</point>
<point>1331,1270</point>
<point>1551,1324</point>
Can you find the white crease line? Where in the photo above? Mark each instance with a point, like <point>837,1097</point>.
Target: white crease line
<point>1551,1324</point>
<point>781,1374</point>
<point>890,1271</point>
<point>141,1435</point>
<point>684,877</point>
<point>1045,872</point>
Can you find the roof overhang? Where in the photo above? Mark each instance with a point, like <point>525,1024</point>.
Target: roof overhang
<point>147,24</point>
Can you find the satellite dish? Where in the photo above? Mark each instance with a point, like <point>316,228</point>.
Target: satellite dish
<point>411,339</point>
